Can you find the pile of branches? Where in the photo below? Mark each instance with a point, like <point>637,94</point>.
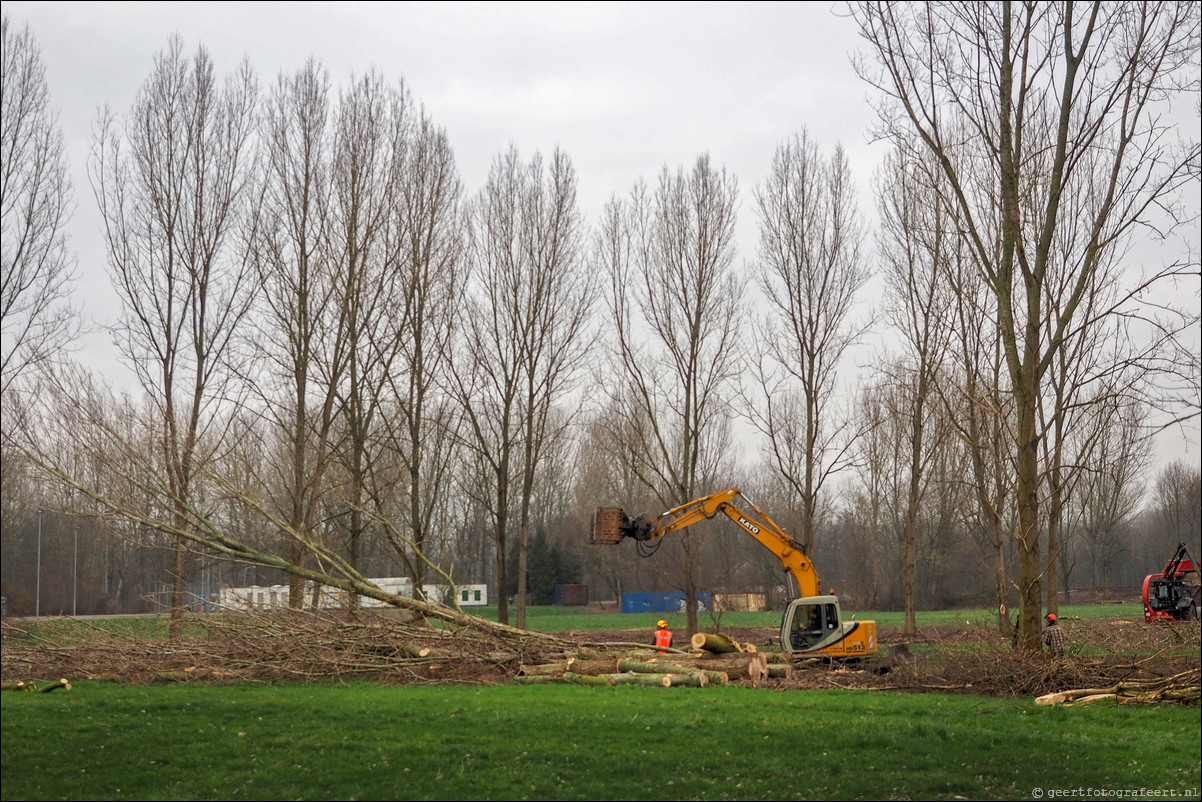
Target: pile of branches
<point>1102,655</point>
<point>284,646</point>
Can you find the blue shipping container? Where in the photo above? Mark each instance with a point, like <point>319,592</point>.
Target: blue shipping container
<point>670,602</point>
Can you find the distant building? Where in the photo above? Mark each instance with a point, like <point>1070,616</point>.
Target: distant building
<point>324,597</point>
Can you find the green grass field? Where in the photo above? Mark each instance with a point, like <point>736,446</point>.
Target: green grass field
<point>360,740</point>
<point>363,741</point>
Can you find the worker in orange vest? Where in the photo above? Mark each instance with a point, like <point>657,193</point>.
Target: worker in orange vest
<point>663,636</point>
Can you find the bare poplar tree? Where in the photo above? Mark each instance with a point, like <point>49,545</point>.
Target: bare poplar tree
<point>676,304</point>
<point>1025,106</point>
<point>909,498</point>
<point>982,413</point>
<point>371,133</point>
<point>975,401</point>
<point>864,522</point>
<point>917,243</point>
<point>427,234</point>
<point>35,206</point>
<point>525,333</point>
<point>298,335</point>
<point>169,178</point>
<point>810,268</point>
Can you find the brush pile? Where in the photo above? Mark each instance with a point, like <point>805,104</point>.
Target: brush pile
<point>1118,661</point>
<point>283,646</point>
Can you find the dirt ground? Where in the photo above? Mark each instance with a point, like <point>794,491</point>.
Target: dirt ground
<point>307,647</point>
<point>977,659</point>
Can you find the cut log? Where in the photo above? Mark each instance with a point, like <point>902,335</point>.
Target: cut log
<point>542,670</point>
<point>714,642</point>
<point>1097,697</point>
<point>586,679</point>
<point>757,667</point>
<point>779,670</point>
<point>753,666</point>
<point>579,665</point>
<point>634,678</point>
<point>654,667</point>
<point>1183,687</point>
<point>54,686</point>
<point>415,650</point>
<point>693,679</point>
<point>666,680</point>
<point>538,679</point>
<point>16,685</point>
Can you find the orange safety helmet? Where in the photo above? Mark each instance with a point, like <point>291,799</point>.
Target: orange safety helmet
<point>662,624</point>
<point>1051,616</point>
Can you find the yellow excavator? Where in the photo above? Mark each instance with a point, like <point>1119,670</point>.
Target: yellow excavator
<point>813,624</point>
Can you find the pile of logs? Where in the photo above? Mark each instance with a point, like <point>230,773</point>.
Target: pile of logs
<point>1185,688</point>
<point>714,659</point>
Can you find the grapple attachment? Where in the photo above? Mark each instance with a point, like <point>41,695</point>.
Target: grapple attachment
<point>606,528</point>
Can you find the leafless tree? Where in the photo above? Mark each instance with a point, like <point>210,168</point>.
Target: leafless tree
<point>169,178</point>
<point>526,330</point>
<point>427,234</point>
<point>864,523</point>
<point>910,502</point>
<point>1109,491</point>
<point>676,304</point>
<point>297,334</point>
<point>978,405</point>
<point>358,251</point>
<point>35,207</point>
<point>810,269</point>
<point>229,516</point>
<point>372,131</point>
<point>918,245</point>
<point>1025,106</point>
<point>1178,503</point>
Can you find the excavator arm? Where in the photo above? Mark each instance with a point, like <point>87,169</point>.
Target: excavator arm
<point>611,525</point>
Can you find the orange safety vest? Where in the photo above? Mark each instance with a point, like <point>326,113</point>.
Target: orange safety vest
<point>663,639</point>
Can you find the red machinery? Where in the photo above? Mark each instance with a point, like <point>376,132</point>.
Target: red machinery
<point>1172,595</point>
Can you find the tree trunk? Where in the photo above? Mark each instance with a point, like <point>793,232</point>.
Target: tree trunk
<point>1027,498</point>
<point>714,642</point>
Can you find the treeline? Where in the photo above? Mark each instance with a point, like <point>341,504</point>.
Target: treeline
<point>349,364</point>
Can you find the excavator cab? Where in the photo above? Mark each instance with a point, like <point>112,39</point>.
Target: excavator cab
<point>814,625</point>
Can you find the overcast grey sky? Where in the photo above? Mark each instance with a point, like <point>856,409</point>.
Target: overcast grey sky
<point>624,88</point>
